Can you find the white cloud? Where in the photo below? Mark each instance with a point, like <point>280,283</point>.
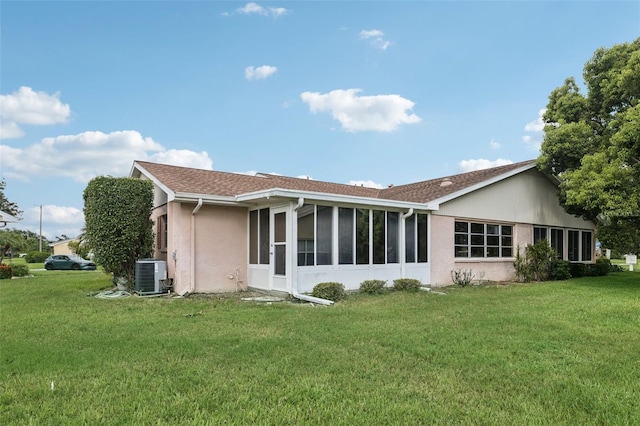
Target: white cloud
<point>184,158</point>
<point>259,73</point>
<point>538,124</point>
<point>56,221</point>
<point>25,106</point>
<point>380,113</point>
<point>536,128</point>
<point>86,155</point>
<point>376,38</point>
<point>255,9</point>
<point>366,183</point>
<point>494,145</point>
<point>480,164</point>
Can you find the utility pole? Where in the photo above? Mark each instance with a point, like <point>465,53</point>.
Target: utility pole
<point>40,245</point>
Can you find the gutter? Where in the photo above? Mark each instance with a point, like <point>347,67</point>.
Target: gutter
<point>192,281</point>
<point>294,287</point>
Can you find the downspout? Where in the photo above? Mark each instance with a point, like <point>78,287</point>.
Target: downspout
<point>403,245</point>
<point>192,281</point>
<point>294,287</point>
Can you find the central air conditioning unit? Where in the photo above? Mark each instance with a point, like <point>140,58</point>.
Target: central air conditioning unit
<point>151,274</point>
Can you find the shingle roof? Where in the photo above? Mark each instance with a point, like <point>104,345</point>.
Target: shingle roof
<point>207,182</point>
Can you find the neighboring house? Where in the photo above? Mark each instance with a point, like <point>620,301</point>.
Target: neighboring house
<point>62,246</point>
<point>220,231</point>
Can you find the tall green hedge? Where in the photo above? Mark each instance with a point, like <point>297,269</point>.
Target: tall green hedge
<point>118,227</point>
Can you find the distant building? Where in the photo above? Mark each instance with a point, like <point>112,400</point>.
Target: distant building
<point>62,246</point>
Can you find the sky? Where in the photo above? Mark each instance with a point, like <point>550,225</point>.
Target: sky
<point>359,92</point>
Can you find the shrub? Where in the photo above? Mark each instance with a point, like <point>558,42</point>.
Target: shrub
<point>36,256</point>
<point>561,270</point>
<point>330,291</point>
<point>372,286</point>
<point>537,262</point>
<point>578,270</point>
<point>406,284</point>
<point>601,267</point>
<point>615,268</point>
<point>19,270</point>
<point>462,277</point>
<point>5,271</point>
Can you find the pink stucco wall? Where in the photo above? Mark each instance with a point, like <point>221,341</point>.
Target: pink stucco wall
<point>220,247</point>
<point>443,260</point>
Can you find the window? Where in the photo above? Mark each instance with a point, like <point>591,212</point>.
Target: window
<point>362,236</point>
<point>579,242</point>
<point>378,237</point>
<point>557,241</point>
<point>573,240</point>
<point>539,234</point>
<point>393,228</point>
<point>315,235</point>
<point>415,229</point>
<point>324,233</point>
<point>305,252</point>
<point>580,245</point>
<point>586,246</point>
<point>473,239</point>
<point>554,236</point>
<point>345,236</point>
<point>259,237</point>
<point>162,233</point>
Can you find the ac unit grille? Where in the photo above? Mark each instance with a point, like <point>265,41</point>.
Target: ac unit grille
<point>149,274</point>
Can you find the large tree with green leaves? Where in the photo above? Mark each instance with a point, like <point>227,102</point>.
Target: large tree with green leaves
<point>118,228</point>
<point>592,144</point>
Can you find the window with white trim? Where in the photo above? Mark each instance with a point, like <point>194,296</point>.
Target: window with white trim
<point>475,239</point>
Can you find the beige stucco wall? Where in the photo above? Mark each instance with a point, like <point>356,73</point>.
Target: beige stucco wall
<point>220,247</point>
<point>62,247</point>
<point>525,198</point>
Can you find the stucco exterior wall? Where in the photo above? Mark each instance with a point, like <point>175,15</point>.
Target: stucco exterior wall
<point>62,247</point>
<point>220,237</point>
<point>444,260</point>
<point>525,198</point>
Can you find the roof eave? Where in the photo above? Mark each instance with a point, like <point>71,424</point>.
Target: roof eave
<point>435,204</point>
<point>137,170</point>
<point>333,198</point>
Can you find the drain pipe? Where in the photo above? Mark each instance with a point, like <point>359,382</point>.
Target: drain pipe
<point>294,287</point>
<point>192,281</point>
<point>403,247</point>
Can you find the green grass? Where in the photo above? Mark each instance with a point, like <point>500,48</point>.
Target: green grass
<point>551,353</point>
<point>623,263</point>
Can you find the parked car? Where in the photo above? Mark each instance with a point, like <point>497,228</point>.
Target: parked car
<point>65,261</point>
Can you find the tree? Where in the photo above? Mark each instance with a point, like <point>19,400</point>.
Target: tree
<point>592,144</point>
<point>118,228</point>
<point>6,205</point>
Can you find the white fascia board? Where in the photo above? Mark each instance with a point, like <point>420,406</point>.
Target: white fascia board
<point>137,167</point>
<point>187,197</point>
<point>333,198</point>
<point>7,218</point>
<point>435,204</point>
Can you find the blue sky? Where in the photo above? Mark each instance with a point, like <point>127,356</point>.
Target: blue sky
<point>362,92</point>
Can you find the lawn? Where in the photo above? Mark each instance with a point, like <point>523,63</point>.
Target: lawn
<point>551,353</point>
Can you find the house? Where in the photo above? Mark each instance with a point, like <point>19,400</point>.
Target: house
<point>62,246</point>
<point>222,232</point>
